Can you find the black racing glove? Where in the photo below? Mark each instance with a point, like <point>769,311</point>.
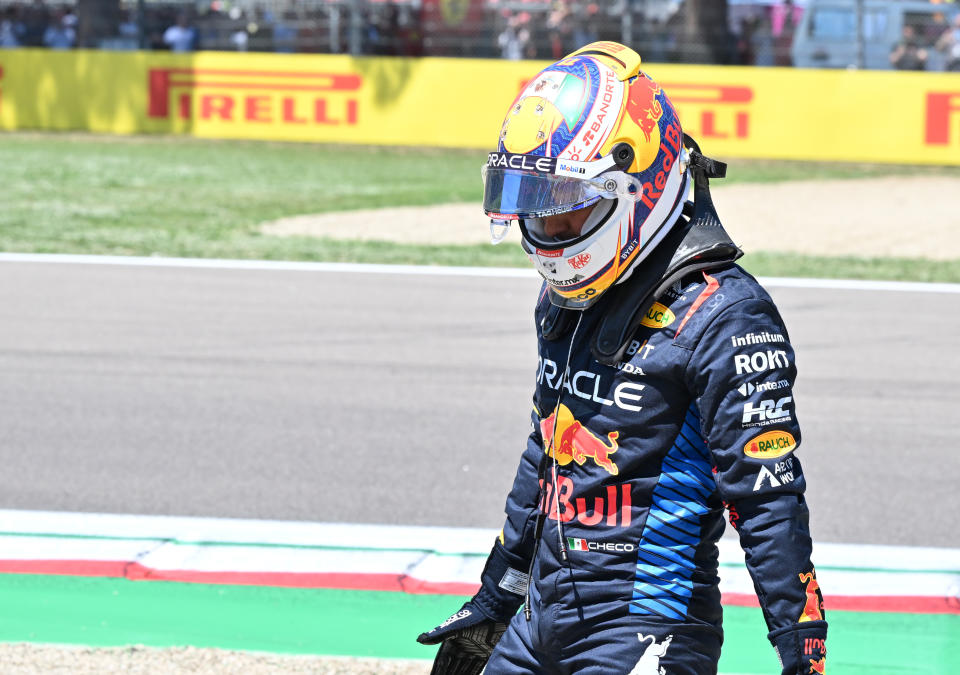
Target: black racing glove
<point>802,649</point>
<point>469,636</point>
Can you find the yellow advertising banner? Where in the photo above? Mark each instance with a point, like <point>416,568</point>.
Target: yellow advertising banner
<point>732,111</point>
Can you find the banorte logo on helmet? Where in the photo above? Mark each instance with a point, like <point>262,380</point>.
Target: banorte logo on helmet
<point>580,109</point>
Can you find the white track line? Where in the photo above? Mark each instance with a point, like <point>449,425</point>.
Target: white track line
<point>433,270</point>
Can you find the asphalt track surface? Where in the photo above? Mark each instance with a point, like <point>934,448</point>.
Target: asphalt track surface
<point>404,399</point>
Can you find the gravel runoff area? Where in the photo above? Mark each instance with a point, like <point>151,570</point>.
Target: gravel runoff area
<point>904,217</point>
<point>30,659</point>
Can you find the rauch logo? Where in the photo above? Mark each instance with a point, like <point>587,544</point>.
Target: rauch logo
<point>258,96</point>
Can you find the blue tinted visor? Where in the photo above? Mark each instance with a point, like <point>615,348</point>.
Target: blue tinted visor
<point>510,194</point>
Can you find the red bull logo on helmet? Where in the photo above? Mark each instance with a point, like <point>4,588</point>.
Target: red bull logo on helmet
<point>644,108</point>
<point>566,439</point>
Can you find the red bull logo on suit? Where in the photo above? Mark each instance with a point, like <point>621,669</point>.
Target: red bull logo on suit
<point>566,439</point>
<point>609,506</point>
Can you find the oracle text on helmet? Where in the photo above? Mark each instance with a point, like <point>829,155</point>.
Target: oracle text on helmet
<point>507,160</point>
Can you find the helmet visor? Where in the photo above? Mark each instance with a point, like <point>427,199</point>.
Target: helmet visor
<point>511,194</point>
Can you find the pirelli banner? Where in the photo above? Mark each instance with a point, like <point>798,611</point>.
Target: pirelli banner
<point>732,111</point>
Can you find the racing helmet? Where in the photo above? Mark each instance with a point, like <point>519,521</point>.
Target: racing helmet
<point>589,130</point>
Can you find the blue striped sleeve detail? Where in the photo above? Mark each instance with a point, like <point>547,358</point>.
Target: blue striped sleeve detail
<point>663,582</point>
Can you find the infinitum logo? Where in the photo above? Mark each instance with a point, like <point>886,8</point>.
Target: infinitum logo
<point>253,96</point>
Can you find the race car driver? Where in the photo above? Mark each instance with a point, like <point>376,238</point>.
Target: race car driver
<point>663,396</point>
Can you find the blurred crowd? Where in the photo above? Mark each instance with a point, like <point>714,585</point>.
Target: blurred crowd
<point>913,50</point>
<point>748,33</point>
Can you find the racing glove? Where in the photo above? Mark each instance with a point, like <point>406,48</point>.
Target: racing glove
<point>802,649</point>
<point>469,636</point>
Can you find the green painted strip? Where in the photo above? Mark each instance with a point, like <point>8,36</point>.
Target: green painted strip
<point>114,612</point>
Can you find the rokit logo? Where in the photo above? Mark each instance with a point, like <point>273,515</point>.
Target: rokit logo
<point>760,362</point>
<point>258,96</point>
<point>766,412</point>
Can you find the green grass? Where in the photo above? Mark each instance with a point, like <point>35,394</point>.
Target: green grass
<point>173,196</point>
<point>95,611</point>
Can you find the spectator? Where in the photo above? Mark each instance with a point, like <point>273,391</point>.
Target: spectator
<point>35,20</point>
<point>949,43</point>
<point>559,30</point>
<point>745,41</point>
<point>181,37</point>
<point>240,39</point>
<point>784,36</point>
<point>658,42</point>
<point>514,38</point>
<point>60,33</point>
<point>584,31</point>
<point>761,42</point>
<point>908,54</point>
<point>285,33</point>
<point>11,28</point>
<point>128,32</point>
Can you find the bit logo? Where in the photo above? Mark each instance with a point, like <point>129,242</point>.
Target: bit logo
<point>770,445</point>
<point>569,441</point>
<point>254,96</point>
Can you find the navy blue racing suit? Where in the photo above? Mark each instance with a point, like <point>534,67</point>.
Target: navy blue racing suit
<point>627,472</point>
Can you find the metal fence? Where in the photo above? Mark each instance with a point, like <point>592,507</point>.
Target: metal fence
<point>697,31</point>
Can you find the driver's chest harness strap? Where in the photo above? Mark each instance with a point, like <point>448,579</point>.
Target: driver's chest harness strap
<point>695,245</point>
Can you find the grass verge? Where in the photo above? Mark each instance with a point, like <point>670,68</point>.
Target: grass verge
<point>175,196</point>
